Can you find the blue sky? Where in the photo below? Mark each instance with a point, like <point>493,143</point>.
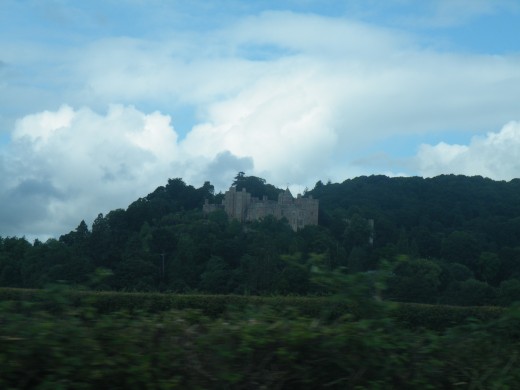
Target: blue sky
<point>102,101</point>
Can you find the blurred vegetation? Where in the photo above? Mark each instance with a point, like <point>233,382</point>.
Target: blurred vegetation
<point>49,339</point>
<point>412,315</point>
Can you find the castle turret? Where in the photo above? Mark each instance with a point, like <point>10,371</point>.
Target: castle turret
<point>285,197</point>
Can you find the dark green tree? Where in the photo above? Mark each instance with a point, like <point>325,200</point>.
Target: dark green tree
<point>414,280</point>
<point>256,186</point>
<point>461,247</point>
<point>217,277</point>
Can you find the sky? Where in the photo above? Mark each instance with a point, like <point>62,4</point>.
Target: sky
<point>102,101</point>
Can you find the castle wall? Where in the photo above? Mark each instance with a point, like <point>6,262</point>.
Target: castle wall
<point>209,207</point>
<point>261,209</point>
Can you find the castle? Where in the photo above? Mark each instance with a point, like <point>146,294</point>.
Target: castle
<point>240,205</point>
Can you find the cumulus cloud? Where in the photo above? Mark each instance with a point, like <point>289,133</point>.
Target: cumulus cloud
<point>66,165</point>
<point>281,123</point>
<point>496,155</point>
<point>293,98</point>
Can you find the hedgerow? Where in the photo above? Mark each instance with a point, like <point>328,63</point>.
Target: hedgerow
<point>409,314</point>
<point>253,348</point>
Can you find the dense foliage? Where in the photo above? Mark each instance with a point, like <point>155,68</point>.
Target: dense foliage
<point>410,315</point>
<point>56,344</point>
<point>449,239</point>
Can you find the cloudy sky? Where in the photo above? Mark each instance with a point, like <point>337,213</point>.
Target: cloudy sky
<point>103,101</point>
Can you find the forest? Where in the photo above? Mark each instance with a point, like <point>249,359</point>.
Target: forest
<point>443,240</point>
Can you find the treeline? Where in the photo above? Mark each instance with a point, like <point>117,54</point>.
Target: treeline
<point>449,239</point>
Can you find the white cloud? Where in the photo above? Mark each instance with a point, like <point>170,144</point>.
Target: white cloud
<point>373,82</point>
<point>281,122</point>
<point>293,98</point>
<point>40,127</point>
<point>68,165</point>
<point>497,156</point>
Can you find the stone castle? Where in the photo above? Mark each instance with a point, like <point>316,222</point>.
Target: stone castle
<point>240,205</point>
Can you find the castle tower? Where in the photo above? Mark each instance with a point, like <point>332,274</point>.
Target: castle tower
<point>236,203</point>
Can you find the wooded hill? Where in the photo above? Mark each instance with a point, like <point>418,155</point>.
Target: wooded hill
<point>448,239</point>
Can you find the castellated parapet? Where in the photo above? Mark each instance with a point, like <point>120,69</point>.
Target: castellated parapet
<point>242,206</point>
